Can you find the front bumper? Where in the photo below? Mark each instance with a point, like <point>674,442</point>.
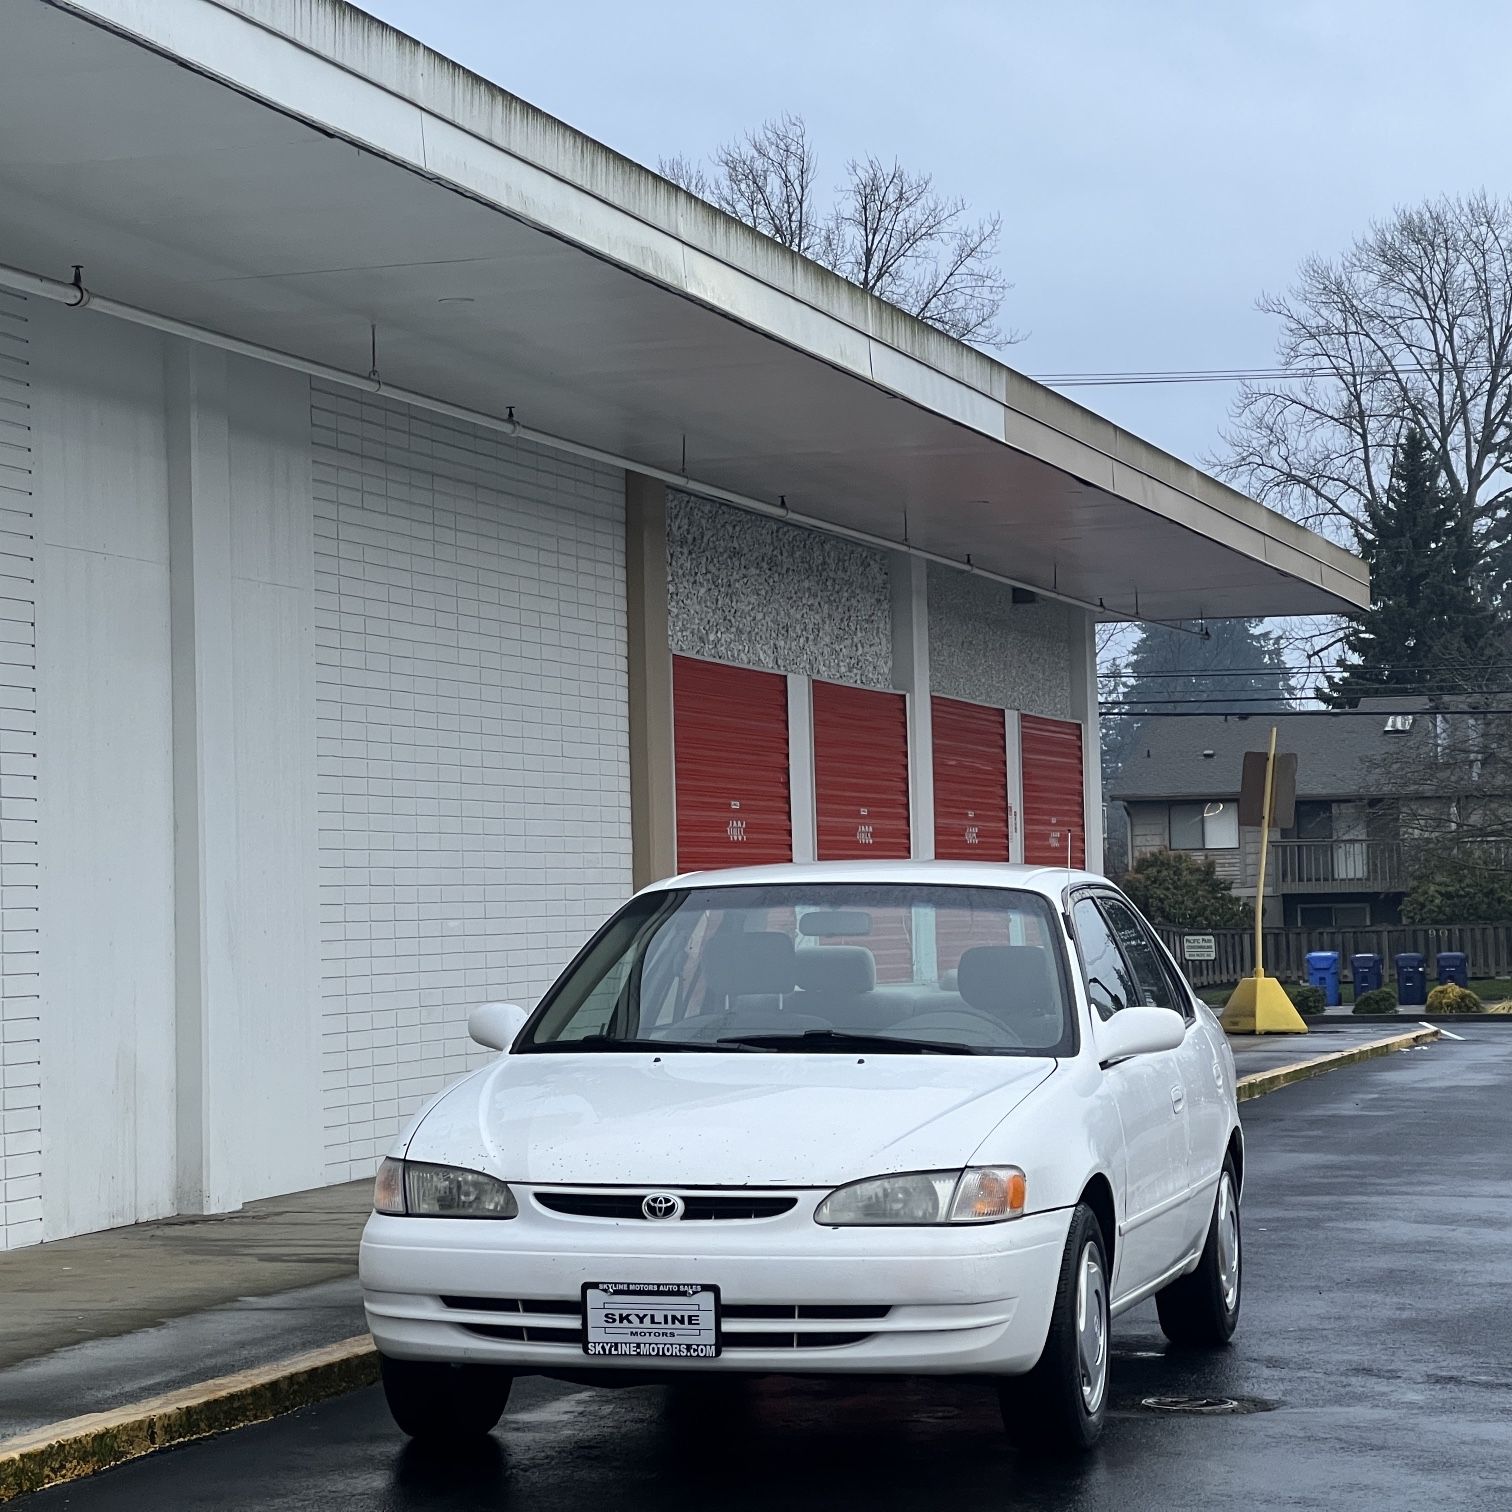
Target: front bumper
<point>796,1297</point>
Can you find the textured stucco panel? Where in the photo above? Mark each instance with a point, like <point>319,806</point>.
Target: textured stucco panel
<point>985,648</point>
<point>745,589</point>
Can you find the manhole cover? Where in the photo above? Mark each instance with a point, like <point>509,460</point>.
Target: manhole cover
<point>1206,1405</point>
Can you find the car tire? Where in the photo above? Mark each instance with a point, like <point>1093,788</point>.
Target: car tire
<point>1059,1407</point>
<point>1201,1310</point>
<point>435,1402</point>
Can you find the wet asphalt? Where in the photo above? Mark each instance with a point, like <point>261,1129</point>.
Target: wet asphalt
<point>1372,1356</point>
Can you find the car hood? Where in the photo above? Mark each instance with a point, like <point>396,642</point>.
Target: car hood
<point>781,1119</point>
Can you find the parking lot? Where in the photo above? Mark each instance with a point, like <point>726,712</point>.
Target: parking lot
<point>1370,1367</point>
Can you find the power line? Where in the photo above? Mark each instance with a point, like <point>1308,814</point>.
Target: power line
<point>1260,714</point>
<point>1272,671</point>
<point>1303,691</point>
<point>1220,705</point>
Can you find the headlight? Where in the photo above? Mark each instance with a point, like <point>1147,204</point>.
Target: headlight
<point>434,1191</point>
<point>983,1194</point>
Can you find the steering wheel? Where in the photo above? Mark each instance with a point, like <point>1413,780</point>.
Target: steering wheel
<point>951,1018</point>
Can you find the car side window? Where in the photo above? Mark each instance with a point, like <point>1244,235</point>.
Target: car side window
<point>1154,984</point>
<point>1110,983</point>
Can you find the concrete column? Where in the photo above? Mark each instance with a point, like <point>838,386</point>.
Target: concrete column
<point>801,795</point>
<point>204,777</point>
<point>910,647</point>
<point>1012,742</point>
<point>653,805</point>
<point>1084,708</point>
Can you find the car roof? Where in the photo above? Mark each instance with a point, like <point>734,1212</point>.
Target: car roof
<point>1050,881</point>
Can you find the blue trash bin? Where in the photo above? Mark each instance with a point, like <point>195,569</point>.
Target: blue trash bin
<point>1367,973</point>
<point>1323,971</point>
<point>1412,980</point>
<point>1453,966</point>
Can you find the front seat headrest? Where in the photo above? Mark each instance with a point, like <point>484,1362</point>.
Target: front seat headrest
<point>740,964</point>
<point>845,970</point>
<point>1011,983</point>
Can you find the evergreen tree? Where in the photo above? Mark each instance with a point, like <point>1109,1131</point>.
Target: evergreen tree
<point>1428,629</point>
<point>1239,668</point>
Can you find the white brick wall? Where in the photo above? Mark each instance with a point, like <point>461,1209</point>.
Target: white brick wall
<point>20,1023</point>
<point>472,750</point>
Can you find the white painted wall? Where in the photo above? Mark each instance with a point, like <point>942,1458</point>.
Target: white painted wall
<point>473,741</point>
<point>313,734</point>
<point>110,416</point>
<point>276,1087</point>
<point>20,1017</point>
<point>105,784</point>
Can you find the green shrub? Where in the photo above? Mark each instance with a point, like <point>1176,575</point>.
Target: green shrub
<point>1170,888</point>
<point>1453,889</point>
<point>1452,998</point>
<point>1307,999</point>
<point>1381,1000</point>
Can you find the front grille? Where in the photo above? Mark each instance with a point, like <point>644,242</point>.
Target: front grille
<point>698,1206</point>
<point>513,1305</point>
<point>839,1312</point>
<point>792,1341</point>
<point>777,1312</point>
<point>535,1334</point>
<point>532,1335</point>
<point>561,1322</point>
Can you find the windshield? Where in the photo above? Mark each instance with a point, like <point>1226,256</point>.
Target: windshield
<point>832,967</point>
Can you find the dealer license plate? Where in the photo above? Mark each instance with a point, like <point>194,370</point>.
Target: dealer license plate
<point>640,1320</point>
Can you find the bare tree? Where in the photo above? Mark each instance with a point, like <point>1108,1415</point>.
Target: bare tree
<point>889,230</point>
<point>1412,326</point>
<point>1450,770</point>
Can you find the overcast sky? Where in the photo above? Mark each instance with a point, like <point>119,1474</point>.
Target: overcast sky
<point>1157,163</point>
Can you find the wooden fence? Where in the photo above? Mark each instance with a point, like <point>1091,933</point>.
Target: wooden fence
<point>1489,947</point>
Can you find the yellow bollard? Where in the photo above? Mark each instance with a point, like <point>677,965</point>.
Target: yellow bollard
<point>1259,1004</point>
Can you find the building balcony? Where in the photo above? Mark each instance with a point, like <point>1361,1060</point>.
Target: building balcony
<point>1311,866</point>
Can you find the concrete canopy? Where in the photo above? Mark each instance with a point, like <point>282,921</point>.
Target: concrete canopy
<point>294,173</point>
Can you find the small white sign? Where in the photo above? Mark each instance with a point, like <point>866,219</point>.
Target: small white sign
<point>671,1321</point>
<point>1199,947</point>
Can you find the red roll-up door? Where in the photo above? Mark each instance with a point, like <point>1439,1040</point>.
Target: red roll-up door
<point>970,781</point>
<point>1055,824</point>
<point>730,737</point>
<point>861,773</point>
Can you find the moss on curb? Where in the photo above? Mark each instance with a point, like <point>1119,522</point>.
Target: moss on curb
<point>1258,1083</point>
<point>84,1445</point>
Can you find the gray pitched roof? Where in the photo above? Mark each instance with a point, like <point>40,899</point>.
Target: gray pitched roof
<point>1337,757</point>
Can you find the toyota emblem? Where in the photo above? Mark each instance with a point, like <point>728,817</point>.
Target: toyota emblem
<point>662,1205</point>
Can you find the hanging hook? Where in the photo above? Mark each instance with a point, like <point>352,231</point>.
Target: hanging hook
<point>373,349</point>
<point>78,283</point>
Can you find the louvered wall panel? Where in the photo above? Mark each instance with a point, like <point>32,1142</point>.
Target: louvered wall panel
<point>861,773</point>
<point>730,734</point>
<point>970,781</point>
<point>1055,826</point>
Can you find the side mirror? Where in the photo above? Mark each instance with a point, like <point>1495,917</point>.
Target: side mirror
<point>495,1025</point>
<point>1137,1030</point>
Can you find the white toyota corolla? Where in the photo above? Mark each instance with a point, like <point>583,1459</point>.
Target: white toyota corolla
<point>854,1118</point>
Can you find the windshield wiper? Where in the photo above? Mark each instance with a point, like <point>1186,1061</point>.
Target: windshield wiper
<point>840,1040</point>
<point>592,1042</point>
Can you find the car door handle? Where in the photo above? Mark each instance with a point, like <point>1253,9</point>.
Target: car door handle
<point>1178,1099</point>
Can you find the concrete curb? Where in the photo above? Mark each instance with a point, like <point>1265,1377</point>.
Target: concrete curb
<point>81,1446</point>
<point>1258,1083</point>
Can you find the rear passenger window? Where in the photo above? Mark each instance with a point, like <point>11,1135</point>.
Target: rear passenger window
<point>1110,984</point>
<point>1154,985</point>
